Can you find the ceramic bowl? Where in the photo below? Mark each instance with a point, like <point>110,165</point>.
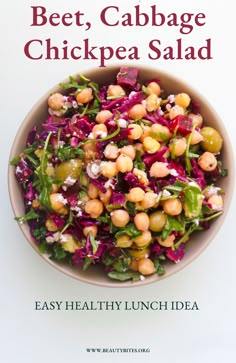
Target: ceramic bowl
<point>199,240</point>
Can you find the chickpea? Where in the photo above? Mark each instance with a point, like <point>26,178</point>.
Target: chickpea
<point>120,217</point>
<point>141,175</point>
<point>55,188</point>
<point>175,111</point>
<point>90,150</point>
<point>172,206</point>
<point>168,242</point>
<point>196,118</point>
<point>207,161</point>
<point>90,229</point>
<point>85,95</point>
<point>139,253</point>
<point>105,197</point>
<point>115,91</point>
<point>149,200</point>
<point>136,131</point>
<point>58,203</point>
<point>146,266</point>
<point>94,208</point>
<point>141,221</point>
<point>134,265</point>
<point>99,131</point>
<point>146,131</point>
<point>92,191</point>
<point>153,87</point>
<point>159,170</point>
<point>157,221</point>
<point>216,202</point>
<point>182,100</point>
<point>160,133</point>
<point>178,146</point>
<point>196,137</point>
<point>124,241</point>
<point>124,163</point>
<point>128,150</point>
<point>108,169</point>
<point>152,102</point>
<point>36,204</point>
<point>51,226</point>
<point>56,101</point>
<point>144,239</point>
<point>137,111</point>
<point>103,116</point>
<point>151,145</point>
<point>111,151</point>
<point>136,195</point>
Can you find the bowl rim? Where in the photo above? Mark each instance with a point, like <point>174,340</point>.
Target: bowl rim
<point>111,283</point>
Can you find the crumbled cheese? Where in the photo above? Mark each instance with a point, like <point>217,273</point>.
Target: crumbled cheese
<point>193,184</point>
<point>61,199</point>
<point>211,190</point>
<point>69,181</point>
<point>160,112</point>
<point>142,278</point>
<point>53,238</point>
<point>91,136</point>
<point>168,107</point>
<point>133,93</point>
<point>18,169</point>
<point>174,172</point>
<point>102,134</point>
<point>196,221</point>
<point>166,193</point>
<point>78,210</point>
<point>95,169</point>
<point>109,184</point>
<point>122,123</point>
<point>63,238</point>
<point>171,98</point>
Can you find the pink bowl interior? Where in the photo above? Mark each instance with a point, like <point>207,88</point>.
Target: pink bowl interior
<point>199,241</point>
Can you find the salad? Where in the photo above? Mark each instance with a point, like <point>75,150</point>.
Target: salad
<point>120,175</point>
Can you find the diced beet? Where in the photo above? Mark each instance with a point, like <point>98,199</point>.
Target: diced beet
<point>127,76</point>
<point>183,124</point>
<point>23,171</point>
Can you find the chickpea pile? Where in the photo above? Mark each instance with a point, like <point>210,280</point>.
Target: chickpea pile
<point>147,158</point>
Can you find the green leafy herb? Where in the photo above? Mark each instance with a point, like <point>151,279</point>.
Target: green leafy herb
<point>93,243</point>
<point>130,230</point>
<point>104,219</point>
<point>67,152</point>
<point>72,84</point>
<point>124,276</point>
<point>138,162</point>
<point>39,233</point>
<point>160,135</point>
<point>130,206</point>
<point>59,252</point>
<point>15,161</point>
<point>28,216</point>
<point>158,266</point>
<point>44,247</point>
<point>193,198</point>
<point>172,225</point>
<point>87,262</point>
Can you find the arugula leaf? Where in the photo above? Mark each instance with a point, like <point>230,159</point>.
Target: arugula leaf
<point>87,262</point>
<point>44,247</point>
<point>59,253</point>
<point>159,267</point>
<point>39,233</point>
<point>15,161</point>
<point>93,243</point>
<point>193,198</point>
<point>72,84</point>
<point>124,276</point>
<point>138,162</point>
<point>172,225</point>
<point>130,230</point>
<point>130,206</point>
<point>67,152</point>
<point>28,216</point>
<point>104,219</point>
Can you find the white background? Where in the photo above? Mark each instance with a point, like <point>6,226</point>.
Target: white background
<point>207,335</point>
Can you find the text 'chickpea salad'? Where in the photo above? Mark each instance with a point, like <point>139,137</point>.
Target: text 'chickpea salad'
<point>120,175</point>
